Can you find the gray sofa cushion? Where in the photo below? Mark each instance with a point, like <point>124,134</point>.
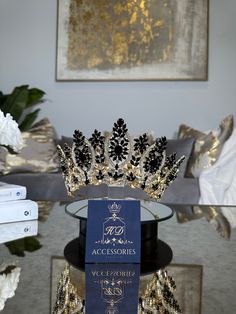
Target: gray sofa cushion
<point>182,191</point>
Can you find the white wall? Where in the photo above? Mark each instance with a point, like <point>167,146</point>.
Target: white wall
<point>27,56</point>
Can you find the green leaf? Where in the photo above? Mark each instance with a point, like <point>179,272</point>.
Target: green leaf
<point>35,97</point>
<point>16,102</point>
<point>18,247</point>
<point>2,101</point>
<point>32,244</point>
<point>28,121</point>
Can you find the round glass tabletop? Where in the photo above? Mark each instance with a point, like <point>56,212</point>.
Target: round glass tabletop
<point>150,211</point>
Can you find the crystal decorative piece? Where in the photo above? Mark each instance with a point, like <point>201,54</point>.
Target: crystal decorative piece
<point>118,159</point>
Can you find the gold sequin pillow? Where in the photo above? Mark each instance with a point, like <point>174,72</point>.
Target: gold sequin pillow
<point>38,154</point>
<point>207,146</point>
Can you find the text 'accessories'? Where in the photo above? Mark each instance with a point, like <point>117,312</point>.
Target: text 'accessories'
<point>118,159</point>
<point>158,296</point>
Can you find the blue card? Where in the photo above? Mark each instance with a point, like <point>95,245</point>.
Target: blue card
<point>113,231</point>
<point>112,288</point>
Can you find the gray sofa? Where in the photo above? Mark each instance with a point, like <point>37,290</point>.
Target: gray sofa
<point>50,186</point>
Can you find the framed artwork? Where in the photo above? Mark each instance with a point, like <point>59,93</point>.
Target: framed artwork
<point>132,40</point>
<point>188,279</point>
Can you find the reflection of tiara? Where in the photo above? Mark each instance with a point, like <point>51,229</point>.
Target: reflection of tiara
<point>157,297</point>
<point>118,160</point>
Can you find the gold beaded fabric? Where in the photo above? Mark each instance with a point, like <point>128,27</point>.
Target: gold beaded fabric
<point>207,147</point>
<point>38,154</point>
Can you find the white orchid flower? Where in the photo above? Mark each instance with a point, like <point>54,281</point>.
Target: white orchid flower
<point>8,285</point>
<point>10,134</point>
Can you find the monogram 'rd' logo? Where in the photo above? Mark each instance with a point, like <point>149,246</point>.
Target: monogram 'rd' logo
<point>114,227</point>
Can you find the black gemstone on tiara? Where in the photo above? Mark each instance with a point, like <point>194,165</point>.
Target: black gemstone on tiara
<point>100,175</point>
<point>135,160</point>
<point>131,176</point>
<point>118,143</point>
<point>155,156</point>
<point>67,150</point>
<point>141,143</point>
<point>97,139</point>
<point>81,150</point>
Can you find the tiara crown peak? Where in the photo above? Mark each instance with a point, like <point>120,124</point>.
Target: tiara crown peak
<point>120,159</point>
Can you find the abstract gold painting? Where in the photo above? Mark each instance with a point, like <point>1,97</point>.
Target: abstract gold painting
<point>132,40</point>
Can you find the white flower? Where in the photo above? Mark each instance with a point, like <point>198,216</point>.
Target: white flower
<point>10,134</point>
<point>8,285</point>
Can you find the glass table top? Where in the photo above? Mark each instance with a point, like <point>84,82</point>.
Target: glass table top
<point>203,268</point>
<point>149,210</point>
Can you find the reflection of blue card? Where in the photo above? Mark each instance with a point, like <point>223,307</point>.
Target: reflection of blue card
<point>112,288</point>
<point>113,231</point>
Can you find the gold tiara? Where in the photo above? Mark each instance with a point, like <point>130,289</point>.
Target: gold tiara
<point>118,159</point>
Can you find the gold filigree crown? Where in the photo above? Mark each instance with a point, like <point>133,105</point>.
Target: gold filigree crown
<point>118,159</point>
